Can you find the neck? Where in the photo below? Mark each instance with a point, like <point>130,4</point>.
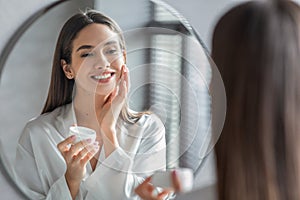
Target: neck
<point>87,107</point>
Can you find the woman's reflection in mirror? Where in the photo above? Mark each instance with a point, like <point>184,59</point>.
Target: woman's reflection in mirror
<point>89,86</point>
<point>256,47</point>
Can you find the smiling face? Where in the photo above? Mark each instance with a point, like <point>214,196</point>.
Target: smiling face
<point>96,60</point>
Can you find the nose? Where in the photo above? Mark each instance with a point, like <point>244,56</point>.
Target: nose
<point>101,62</point>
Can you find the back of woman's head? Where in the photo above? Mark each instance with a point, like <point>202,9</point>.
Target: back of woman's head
<point>256,48</point>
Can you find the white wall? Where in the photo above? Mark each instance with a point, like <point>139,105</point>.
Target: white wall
<point>203,14</point>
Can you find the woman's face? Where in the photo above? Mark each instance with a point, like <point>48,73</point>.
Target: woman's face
<point>96,60</point>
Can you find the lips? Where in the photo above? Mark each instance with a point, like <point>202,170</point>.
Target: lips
<point>104,77</point>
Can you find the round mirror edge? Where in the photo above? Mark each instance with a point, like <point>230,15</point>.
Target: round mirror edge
<point>197,35</point>
<point>184,21</point>
<point>3,57</point>
<point>8,178</point>
<point>21,29</point>
<point>194,33</point>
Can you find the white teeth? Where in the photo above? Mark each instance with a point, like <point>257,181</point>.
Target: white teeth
<point>102,76</point>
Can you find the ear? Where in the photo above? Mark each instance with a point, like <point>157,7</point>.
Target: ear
<point>67,69</point>
<point>124,56</point>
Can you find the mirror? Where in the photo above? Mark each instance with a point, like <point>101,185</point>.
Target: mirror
<point>170,72</point>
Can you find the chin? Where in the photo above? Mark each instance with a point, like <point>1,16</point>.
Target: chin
<point>104,91</point>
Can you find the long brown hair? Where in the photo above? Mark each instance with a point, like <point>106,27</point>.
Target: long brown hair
<point>256,48</point>
<point>61,89</point>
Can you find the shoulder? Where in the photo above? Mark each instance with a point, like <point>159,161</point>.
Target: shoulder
<point>151,134</point>
<point>151,123</point>
<point>40,124</point>
<point>45,119</point>
<point>153,118</point>
<point>149,119</point>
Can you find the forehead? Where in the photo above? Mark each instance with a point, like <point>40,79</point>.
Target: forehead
<point>94,34</point>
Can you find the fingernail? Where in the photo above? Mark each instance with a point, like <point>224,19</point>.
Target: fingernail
<point>89,140</point>
<point>73,137</point>
<point>174,173</point>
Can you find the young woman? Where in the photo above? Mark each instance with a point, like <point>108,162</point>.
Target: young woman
<point>89,84</point>
<point>256,47</point>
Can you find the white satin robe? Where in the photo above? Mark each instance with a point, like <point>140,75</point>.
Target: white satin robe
<point>40,167</point>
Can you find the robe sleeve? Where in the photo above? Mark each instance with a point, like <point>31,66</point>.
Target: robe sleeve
<point>28,174</point>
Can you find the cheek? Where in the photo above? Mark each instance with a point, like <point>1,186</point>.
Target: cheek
<point>83,66</point>
<point>117,64</point>
<point>79,69</point>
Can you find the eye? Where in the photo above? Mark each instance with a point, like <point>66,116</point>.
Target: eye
<point>111,51</point>
<point>86,55</point>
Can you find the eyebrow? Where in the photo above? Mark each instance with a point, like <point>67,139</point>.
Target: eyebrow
<point>85,47</point>
<point>91,47</point>
<point>110,42</point>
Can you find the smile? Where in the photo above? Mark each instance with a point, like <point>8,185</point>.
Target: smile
<point>103,77</point>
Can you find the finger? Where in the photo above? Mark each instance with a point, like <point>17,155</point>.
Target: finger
<point>145,188</point>
<point>84,151</point>
<point>122,92</point>
<point>146,193</point>
<point>78,146</point>
<point>92,148</point>
<point>115,93</point>
<point>81,154</point>
<point>122,72</point>
<point>126,76</point>
<point>146,181</point>
<point>143,185</point>
<point>175,180</point>
<point>125,85</point>
<point>63,146</point>
<point>163,194</point>
<point>112,96</point>
<point>89,154</point>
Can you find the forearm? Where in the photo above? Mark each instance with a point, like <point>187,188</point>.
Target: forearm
<point>73,187</point>
<point>110,142</point>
